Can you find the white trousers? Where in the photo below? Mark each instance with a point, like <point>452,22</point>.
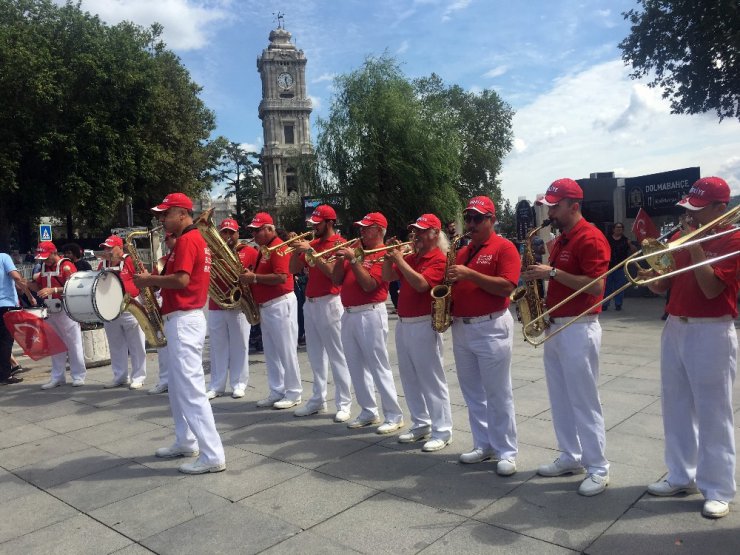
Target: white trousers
<point>68,331</point>
<point>420,365</point>
<point>483,359</point>
<point>228,331</point>
<point>194,424</point>
<point>323,324</point>
<point>279,324</point>
<point>572,372</point>
<point>698,365</point>
<point>162,354</point>
<point>126,338</point>
<point>364,336</point>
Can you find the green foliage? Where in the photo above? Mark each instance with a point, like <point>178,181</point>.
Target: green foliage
<point>239,169</point>
<point>690,49</point>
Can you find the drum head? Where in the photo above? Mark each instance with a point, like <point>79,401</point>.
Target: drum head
<point>108,296</point>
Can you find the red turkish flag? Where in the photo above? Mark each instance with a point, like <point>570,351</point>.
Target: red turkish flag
<point>644,227</point>
<point>37,338</point>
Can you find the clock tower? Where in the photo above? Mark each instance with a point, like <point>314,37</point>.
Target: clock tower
<point>284,111</point>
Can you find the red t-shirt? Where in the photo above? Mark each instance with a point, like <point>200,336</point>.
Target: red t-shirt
<point>125,271</point>
<point>275,265</point>
<point>687,298</point>
<point>320,285</point>
<point>583,251</point>
<point>352,293</point>
<point>192,256</point>
<point>56,275</point>
<point>431,266</point>
<point>496,257</point>
<point>248,257</point>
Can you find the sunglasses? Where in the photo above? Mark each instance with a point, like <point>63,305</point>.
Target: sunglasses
<point>475,218</point>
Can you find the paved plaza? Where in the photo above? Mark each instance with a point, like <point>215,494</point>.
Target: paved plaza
<point>78,472</point>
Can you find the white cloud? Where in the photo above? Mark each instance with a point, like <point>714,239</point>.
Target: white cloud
<point>496,71</point>
<point>315,101</point>
<point>324,77</point>
<point>730,171</point>
<point>519,145</point>
<point>252,147</point>
<point>403,48</point>
<point>456,6</point>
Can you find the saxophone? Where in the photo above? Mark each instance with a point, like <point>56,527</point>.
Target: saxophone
<point>442,294</point>
<point>526,299</point>
<point>146,311</point>
<point>224,287</point>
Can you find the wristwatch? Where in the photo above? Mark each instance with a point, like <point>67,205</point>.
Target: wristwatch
<point>553,273</point>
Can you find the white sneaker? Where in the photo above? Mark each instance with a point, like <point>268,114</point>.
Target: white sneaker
<point>389,427</point>
<point>559,468</point>
<point>415,434</point>
<point>117,383</point>
<point>136,385</point>
<point>269,401</point>
<point>78,382</point>
<point>435,444</point>
<point>715,509</point>
<point>310,408</point>
<point>664,488</point>
<point>200,467</point>
<point>51,384</point>
<point>212,394</point>
<point>363,422</point>
<point>238,393</point>
<point>286,403</point>
<point>593,485</point>
<point>157,389</point>
<point>175,450</point>
<point>342,416</point>
<point>477,455</point>
<point>506,467</point>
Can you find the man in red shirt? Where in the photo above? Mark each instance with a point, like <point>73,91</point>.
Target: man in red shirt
<point>418,346</point>
<point>125,336</point>
<point>698,360</point>
<point>322,316</point>
<point>184,284</point>
<point>49,284</point>
<point>365,327</point>
<point>228,330</point>
<point>580,254</point>
<point>485,273</point>
<point>272,289</point>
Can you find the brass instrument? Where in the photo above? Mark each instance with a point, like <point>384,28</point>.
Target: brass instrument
<point>527,301</point>
<point>442,293</point>
<point>361,253</point>
<point>312,256</point>
<point>280,250</point>
<point>146,311</point>
<point>224,287</point>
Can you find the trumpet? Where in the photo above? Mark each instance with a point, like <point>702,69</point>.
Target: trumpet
<point>312,256</point>
<point>361,253</point>
<point>279,250</point>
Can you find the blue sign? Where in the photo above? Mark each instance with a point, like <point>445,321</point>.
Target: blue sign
<point>44,232</point>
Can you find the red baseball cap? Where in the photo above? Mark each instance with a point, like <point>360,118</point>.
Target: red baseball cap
<point>44,249</point>
<point>112,241</point>
<point>373,218</point>
<point>560,189</point>
<point>174,200</point>
<point>229,223</point>
<point>704,192</point>
<point>260,219</point>
<point>483,205</point>
<point>427,221</point>
<point>321,213</point>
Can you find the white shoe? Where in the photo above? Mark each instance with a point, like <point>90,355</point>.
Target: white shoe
<point>363,422</point>
<point>286,403</point>
<point>593,485</point>
<point>157,389</point>
<point>435,444</point>
<point>715,509</point>
<point>51,384</point>
<point>200,467</point>
<point>78,382</point>
<point>506,467</point>
<point>212,394</point>
<point>238,393</point>
<point>477,455</point>
<point>559,468</point>
<point>117,383</point>
<point>342,416</point>
<point>136,385</point>
<point>175,450</point>
<point>664,488</point>
<point>269,401</point>
<point>310,408</point>
<point>389,427</point>
<point>415,434</point>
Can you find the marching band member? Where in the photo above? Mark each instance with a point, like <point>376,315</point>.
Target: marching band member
<point>49,284</point>
<point>485,273</point>
<point>418,346</point>
<point>272,289</point>
<point>322,316</point>
<point>228,330</point>
<point>162,387</point>
<point>580,254</point>
<point>10,279</point>
<point>184,284</point>
<point>125,336</point>
<point>698,359</point>
<point>365,328</point>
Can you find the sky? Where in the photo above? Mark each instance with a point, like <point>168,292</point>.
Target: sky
<point>556,62</point>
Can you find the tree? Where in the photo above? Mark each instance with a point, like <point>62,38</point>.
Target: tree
<point>240,170</point>
<point>690,49</point>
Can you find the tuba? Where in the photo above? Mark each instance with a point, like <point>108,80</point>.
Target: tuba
<point>526,298</point>
<point>224,287</point>
<point>146,311</point>
<point>442,294</point>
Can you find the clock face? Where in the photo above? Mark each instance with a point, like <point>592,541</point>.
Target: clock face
<point>285,80</point>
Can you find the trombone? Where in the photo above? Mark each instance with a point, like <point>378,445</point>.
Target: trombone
<point>312,256</point>
<point>267,251</point>
<point>361,253</point>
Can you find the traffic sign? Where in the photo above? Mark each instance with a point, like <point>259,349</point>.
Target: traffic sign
<point>44,232</point>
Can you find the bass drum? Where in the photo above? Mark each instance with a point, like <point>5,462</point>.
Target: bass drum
<point>91,297</point>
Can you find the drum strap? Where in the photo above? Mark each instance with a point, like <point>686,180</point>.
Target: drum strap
<point>54,274</point>
<point>118,267</point>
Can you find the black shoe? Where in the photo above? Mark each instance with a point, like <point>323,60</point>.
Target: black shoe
<point>664,317</point>
<point>17,369</point>
<point>605,308</point>
<point>12,379</point>
<point>619,307</point>
<point>302,340</point>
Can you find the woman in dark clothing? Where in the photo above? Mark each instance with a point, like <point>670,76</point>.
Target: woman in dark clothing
<point>621,249</point>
